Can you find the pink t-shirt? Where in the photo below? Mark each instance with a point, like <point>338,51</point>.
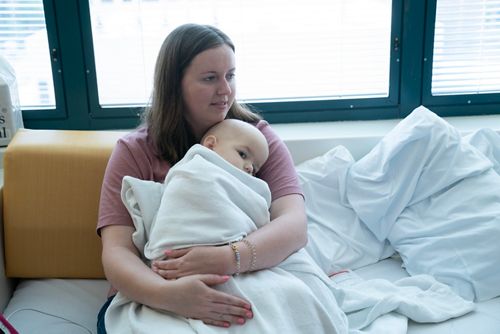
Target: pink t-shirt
<point>135,155</point>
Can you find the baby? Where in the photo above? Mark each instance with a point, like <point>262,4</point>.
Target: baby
<point>239,143</point>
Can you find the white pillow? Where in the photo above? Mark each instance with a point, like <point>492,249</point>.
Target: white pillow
<point>337,238</point>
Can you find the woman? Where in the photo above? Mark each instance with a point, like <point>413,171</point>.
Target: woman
<point>194,88</point>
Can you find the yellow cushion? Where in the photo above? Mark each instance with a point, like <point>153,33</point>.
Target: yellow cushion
<point>52,183</point>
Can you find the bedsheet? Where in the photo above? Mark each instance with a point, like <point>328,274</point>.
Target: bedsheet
<point>485,319</point>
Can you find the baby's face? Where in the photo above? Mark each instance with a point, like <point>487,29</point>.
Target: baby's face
<point>247,155</point>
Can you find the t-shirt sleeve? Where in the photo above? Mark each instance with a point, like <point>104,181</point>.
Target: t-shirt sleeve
<point>133,155</point>
<point>278,171</point>
<point>112,211</point>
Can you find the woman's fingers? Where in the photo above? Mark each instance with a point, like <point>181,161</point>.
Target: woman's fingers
<point>234,316</point>
<point>227,307</point>
<point>175,253</point>
<point>165,268</point>
<point>195,260</point>
<point>169,267</point>
<point>231,305</point>
<point>218,323</point>
<point>226,319</point>
<point>166,274</point>
<point>200,300</point>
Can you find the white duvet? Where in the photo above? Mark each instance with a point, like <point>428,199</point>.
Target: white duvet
<point>434,196</point>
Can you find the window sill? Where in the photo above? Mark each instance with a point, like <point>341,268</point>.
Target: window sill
<point>307,140</point>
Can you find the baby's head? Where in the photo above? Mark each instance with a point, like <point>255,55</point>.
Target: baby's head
<point>239,143</point>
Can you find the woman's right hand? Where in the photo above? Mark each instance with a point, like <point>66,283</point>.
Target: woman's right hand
<point>190,296</point>
<point>196,298</point>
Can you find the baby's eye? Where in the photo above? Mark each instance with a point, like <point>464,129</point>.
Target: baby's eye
<point>230,76</point>
<point>242,154</point>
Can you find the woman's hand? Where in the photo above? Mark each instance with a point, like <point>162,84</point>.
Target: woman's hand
<point>195,298</point>
<point>285,234</point>
<point>196,260</point>
<point>191,296</point>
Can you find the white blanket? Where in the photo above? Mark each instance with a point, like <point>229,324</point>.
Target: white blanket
<point>203,201</point>
<point>207,201</point>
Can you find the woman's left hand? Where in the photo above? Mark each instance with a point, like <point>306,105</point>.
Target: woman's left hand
<point>194,260</point>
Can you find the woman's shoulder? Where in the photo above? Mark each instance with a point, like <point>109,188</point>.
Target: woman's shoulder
<point>268,132</point>
<point>261,123</point>
<point>135,155</point>
<point>278,171</point>
<point>136,136</point>
<point>135,144</point>
<point>137,139</point>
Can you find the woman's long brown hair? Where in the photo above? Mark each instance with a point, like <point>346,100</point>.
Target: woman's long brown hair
<point>164,118</point>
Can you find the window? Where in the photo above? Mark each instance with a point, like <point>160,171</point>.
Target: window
<point>297,60</point>
<point>317,49</point>
<point>466,57</point>
<point>24,44</point>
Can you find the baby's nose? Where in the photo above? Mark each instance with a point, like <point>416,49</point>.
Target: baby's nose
<point>249,169</point>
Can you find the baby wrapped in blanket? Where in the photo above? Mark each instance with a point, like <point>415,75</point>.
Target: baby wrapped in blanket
<point>210,200</point>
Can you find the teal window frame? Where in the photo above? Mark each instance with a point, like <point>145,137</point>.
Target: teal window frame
<point>412,32</point>
<point>450,105</point>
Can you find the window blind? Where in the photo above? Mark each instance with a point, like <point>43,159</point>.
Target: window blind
<point>466,56</point>
<point>285,49</point>
<point>24,43</point>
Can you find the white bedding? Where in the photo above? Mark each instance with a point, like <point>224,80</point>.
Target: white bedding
<point>45,301</point>
<point>436,199</point>
<point>485,318</point>
<point>424,192</point>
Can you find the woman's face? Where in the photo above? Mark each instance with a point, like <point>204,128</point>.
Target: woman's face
<point>208,88</point>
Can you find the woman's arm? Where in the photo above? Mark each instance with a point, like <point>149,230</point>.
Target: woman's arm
<point>273,242</point>
<point>284,235</point>
<point>125,270</point>
<point>190,297</point>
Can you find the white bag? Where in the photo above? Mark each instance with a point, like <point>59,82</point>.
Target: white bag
<point>11,118</point>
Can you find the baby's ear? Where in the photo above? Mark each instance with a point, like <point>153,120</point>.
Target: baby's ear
<point>209,141</point>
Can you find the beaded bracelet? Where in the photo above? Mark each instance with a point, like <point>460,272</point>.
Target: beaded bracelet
<point>237,257</point>
<point>253,253</point>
